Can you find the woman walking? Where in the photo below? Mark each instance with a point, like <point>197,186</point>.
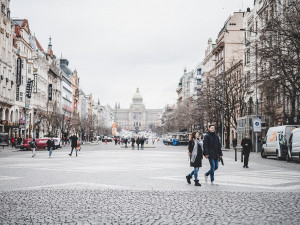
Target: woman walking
<point>196,156</point>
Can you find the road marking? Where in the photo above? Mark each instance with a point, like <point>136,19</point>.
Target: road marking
<point>75,185</point>
<point>8,178</point>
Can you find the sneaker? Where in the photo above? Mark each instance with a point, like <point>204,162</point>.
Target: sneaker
<point>205,177</point>
<point>212,183</point>
<point>69,154</point>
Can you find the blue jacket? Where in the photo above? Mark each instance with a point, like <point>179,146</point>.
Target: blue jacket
<point>212,146</point>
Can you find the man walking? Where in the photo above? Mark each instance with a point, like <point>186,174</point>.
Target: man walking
<point>73,139</point>
<point>142,143</point>
<point>132,143</point>
<point>50,146</point>
<point>125,141</point>
<point>247,147</point>
<point>138,141</point>
<point>212,151</point>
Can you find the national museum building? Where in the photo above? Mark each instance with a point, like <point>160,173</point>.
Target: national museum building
<point>137,117</point>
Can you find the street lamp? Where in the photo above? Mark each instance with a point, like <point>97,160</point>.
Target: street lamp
<point>256,73</point>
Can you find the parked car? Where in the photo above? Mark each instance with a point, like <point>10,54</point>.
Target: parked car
<point>294,145</point>
<point>275,143</point>
<point>41,143</point>
<point>57,142</point>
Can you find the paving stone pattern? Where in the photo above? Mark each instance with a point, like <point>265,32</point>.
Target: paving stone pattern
<point>65,206</point>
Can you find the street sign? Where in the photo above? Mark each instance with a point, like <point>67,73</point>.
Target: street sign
<point>257,125</point>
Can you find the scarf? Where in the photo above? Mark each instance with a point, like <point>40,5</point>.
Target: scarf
<point>195,150</point>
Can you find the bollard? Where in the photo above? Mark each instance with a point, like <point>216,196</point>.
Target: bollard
<point>235,154</point>
<point>241,154</point>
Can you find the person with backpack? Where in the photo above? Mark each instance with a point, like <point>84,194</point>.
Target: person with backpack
<point>33,147</point>
<point>196,155</point>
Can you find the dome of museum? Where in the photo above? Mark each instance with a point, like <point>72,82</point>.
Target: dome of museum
<point>137,95</point>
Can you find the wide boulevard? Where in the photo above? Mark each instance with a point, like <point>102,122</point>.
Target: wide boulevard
<point>108,184</point>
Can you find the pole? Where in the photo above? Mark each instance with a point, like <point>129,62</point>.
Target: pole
<point>222,137</point>
<point>256,110</point>
<point>25,102</point>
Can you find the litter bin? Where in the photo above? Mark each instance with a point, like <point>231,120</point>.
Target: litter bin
<point>175,141</point>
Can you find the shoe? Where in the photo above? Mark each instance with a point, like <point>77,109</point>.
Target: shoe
<point>32,156</point>
<point>244,166</point>
<point>197,183</point>
<point>205,177</point>
<point>70,155</point>
<point>188,178</point>
<point>247,166</point>
<point>212,183</point>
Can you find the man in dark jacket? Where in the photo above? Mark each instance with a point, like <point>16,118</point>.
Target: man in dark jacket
<point>142,143</point>
<point>73,139</point>
<point>132,143</point>
<point>247,147</point>
<point>138,142</point>
<point>125,141</point>
<point>212,151</point>
<point>50,146</point>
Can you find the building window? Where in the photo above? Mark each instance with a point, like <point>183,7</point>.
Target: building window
<point>248,56</point>
<point>21,96</point>
<point>278,95</point>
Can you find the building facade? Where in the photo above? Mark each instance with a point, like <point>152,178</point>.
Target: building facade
<point>137,117</point>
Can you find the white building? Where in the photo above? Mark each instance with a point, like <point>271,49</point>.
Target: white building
<point>137,117</point>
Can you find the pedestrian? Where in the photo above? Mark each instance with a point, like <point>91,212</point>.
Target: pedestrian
<point>116,141</point>
<point>132,143</point>
<point>105,141</point>
<point>78,148</point>
<point>125,141</point>
<point>19,140</point>
<point>247,147</point>
<point>138,142</point>
<point>50,146</point>
<point>212,151</point>
<point>196,155</point>
<point>13,142</point>
<point>33,147</point>
<point>153,141</point>
<point>142,143</point>
<point>73,140</point>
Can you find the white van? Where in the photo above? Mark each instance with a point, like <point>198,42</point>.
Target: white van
<point>275,143</point>
<point>294,145</point>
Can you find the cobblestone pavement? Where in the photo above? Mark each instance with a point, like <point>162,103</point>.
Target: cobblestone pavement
<point>107,184</point>
<point>147,207</point>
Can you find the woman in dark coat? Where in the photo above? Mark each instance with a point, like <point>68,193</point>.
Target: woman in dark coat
<point>196,156</point>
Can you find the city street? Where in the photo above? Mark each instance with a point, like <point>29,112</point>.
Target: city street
<point>107,184</point>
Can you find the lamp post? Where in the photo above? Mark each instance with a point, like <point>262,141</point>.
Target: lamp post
<point>256,95</point>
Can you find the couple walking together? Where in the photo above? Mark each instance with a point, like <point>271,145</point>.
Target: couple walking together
<point>210,148</point>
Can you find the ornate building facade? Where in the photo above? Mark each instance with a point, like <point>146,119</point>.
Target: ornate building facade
<point>137,117</point>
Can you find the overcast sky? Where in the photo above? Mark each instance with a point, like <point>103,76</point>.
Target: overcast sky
<point>119,45</point>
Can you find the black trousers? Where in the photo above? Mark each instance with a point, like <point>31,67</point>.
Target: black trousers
<point>72,150</point>
<point>246,159</point>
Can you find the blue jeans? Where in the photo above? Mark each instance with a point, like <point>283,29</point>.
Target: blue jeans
<point>50,151</point>
<point>195,172</point>
<point>213,167</point>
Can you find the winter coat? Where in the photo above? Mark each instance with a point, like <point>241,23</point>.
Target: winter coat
<point>132,141</point>
<point>142,141</point>
<point>138,141</point>
<point>198,160</point>
<point>50,144</point>
<point>32,144</point>
<point>212,146</point>
<point>73,141</point>
<point>247,146</point>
